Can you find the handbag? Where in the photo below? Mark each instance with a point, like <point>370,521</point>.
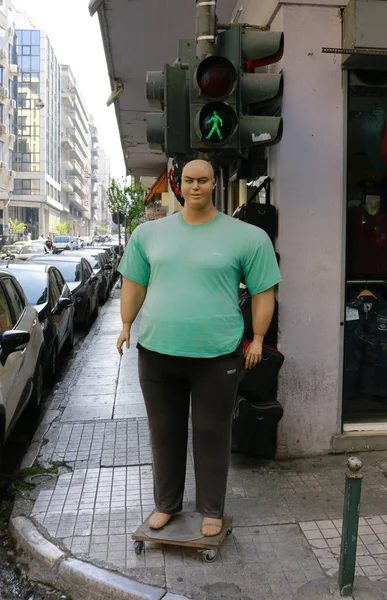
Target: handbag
<point>260,382</point>
<point>264,216</point>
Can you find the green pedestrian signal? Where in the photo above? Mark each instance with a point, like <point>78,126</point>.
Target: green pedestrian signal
<point>217,122</point>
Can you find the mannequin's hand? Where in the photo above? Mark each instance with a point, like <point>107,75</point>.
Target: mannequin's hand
<point>253,354</point>
<point>123,338</point>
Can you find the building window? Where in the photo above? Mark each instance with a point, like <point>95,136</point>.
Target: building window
<point>2,113</point>
<point>1,76</point>
<point>1,151</point>
<point>2,37</point>
<point>27,187</point>
<point>10,159</point>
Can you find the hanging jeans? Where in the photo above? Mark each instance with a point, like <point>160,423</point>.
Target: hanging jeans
<point>168,383</point>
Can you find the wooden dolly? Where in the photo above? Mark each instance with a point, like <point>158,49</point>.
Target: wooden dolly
<point>183,530</point>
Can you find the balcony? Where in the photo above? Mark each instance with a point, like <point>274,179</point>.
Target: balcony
<point>95,175</point>
<point>95,162</point>
<point>76,166</point>
<point>66,140</point>
<point>94,203</point>
<point>95,150</point>
<point>67,120</point>
<point>76,200</point>
<point>78,155</point>
<point>94,189</point>
<point>67,98</point>
<point>66,162</point>
<point>11,141</point>
<point>13,70</point>
<point>76,183</point>
<point>66,183</point>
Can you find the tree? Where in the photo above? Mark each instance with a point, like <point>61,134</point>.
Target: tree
<point>62,228</point>
<point>16,226</point>
<point>129,200</point>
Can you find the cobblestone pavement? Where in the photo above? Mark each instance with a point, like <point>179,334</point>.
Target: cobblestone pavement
<point>286,514</point>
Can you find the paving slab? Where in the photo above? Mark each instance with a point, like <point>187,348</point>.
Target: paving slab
<point>287,527</point>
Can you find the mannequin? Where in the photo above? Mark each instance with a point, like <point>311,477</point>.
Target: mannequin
<point>372,204</point>
<point>367,239</point>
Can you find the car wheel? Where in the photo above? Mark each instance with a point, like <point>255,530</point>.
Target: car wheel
<point>37,392</point>
<point>70,338</point>
<point>52,365</point>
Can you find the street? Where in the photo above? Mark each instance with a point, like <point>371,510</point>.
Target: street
<point>287,514</point>
<point>14,585</point>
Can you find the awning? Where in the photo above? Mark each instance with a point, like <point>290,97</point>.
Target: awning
<point>141,36</point>
<point>159,186</point>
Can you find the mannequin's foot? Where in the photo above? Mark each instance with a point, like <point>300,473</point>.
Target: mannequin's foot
<point>158,520</point>
<point>211,527</point>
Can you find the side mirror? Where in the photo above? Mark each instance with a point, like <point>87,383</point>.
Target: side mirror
<point>93,279</point>
<point>13,341</point>
<point>108,267</point>
<point>61,305</point>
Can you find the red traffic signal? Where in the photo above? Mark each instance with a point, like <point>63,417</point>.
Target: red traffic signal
<point>216,77</point>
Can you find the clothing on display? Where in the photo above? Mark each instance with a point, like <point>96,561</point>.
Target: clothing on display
<point>367,239</point>
<point>365,354</point>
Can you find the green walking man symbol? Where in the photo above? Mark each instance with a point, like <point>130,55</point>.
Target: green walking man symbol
<point>216,122</point>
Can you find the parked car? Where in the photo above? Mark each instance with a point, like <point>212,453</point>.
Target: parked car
<point>46,289</point>
<point>65,242</point>
<point>100,267</point>
<point>27,250</point>
<point>82,282</point>
<point>109,258</point>
<point>21,354</point>
<point>114,253</point>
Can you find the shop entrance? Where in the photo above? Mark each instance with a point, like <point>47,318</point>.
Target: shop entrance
<point>365,336</point>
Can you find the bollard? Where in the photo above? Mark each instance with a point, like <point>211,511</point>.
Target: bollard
<point>353,480</point>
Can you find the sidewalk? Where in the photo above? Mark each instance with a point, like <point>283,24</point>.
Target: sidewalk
<point>286,514</point>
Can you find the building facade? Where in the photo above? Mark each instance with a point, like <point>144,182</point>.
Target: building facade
<point>105,181</point>
<point>76,157</point>
<point>8,74</point>
<point>36,160</point>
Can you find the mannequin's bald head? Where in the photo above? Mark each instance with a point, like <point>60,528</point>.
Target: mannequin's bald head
<point>198,182</point>
<point>199,165</point>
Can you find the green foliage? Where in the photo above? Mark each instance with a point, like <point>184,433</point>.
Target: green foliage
<point>16,226</point>
<point>129,200</point>
<point>62,228</point>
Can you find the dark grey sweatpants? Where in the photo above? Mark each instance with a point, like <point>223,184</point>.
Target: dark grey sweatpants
<point>167,383</point>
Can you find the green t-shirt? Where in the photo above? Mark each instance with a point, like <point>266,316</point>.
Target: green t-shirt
<point>193,273</point>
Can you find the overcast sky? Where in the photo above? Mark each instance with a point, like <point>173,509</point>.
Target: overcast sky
<point>76,39</point>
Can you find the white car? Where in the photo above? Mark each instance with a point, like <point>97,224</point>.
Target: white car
<point>21,354</point>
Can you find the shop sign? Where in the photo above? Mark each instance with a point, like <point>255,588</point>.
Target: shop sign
<point>155,212</point>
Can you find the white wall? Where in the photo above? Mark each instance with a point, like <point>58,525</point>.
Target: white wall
<point>307,167</point>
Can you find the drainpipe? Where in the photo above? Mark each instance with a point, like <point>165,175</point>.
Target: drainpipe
<point>205,27</point>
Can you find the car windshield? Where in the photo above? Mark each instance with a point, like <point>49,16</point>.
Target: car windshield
<point>34,285</point>
<point>11,249</point>
<point>62,239</point>
<point>32,250</point>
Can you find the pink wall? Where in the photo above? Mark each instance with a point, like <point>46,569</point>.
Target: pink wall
<point>307,167</point>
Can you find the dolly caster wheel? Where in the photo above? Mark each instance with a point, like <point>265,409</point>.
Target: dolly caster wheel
<point>210,555</point>
<point>138,547</point>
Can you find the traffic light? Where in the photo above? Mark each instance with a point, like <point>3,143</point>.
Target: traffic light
<point>214,104</point>
<point>168,130</point>
<point>260,92</point>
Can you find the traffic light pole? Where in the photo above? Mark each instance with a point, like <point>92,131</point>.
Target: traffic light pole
<point>205,27</point>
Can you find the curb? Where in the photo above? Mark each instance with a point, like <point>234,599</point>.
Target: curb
<point>48,564</point>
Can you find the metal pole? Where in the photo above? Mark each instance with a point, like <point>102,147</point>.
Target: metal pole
<point>205,27</point>
<point>353,481</point>
<point>242,191</point>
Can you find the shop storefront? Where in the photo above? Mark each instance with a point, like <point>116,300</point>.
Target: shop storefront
<point>365,335</point>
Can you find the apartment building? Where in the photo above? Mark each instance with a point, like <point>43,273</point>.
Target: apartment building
<point>76,156</point>
<point>8,74</point>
